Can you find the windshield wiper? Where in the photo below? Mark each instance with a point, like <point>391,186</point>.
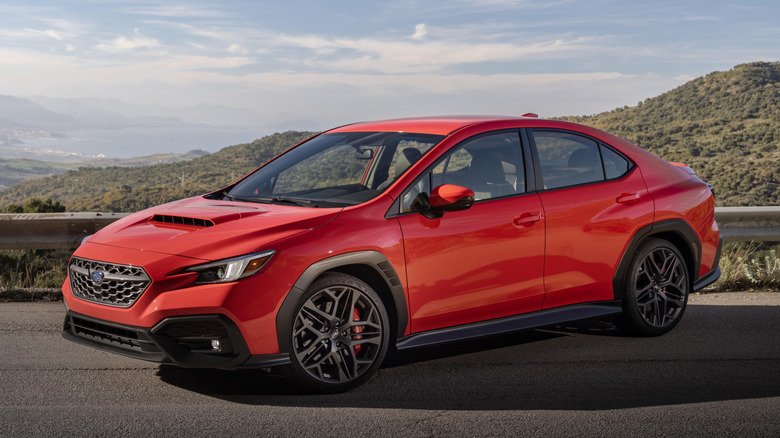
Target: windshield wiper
<point>271,200</point>
<point>294,201</point>
<point>258,199</point>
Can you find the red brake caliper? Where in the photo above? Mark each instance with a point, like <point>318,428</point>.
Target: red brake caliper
<point>356,331</point>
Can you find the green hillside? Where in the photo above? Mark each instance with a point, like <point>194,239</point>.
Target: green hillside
<point>16,170</point>
<point>134,188</point>
<point>725,125</point>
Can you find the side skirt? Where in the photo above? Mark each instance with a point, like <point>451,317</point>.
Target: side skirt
<point>510,324</point>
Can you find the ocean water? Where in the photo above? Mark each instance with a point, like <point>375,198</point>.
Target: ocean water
<point>135,142</point>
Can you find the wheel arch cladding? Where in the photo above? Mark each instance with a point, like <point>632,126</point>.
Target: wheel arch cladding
<point>369,266</point>
<point>675,231</point>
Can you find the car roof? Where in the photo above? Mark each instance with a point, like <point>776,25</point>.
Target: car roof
<point>440,125</point>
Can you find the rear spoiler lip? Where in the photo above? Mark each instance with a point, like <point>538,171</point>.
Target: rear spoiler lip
<point>689,170</point>
<point>684,167</point>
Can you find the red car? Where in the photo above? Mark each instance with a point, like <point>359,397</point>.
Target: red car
<point>399,234</point>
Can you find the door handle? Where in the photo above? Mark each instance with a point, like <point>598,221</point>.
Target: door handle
<point>528,219</point>
<point>627,198</point>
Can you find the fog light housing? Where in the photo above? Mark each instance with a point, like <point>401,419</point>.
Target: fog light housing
<point>215,344</point>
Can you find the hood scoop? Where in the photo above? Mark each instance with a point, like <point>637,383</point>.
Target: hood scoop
<point>182,220</point>
<point>200,217</point>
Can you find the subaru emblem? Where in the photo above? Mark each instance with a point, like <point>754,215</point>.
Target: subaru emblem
<point>97,277</point>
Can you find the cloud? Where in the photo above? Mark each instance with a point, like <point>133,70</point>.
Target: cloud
<point>391,56</point>
<point>237,49</point>
<point>458,56</point>
<point>188,10</point>
<point>427,49</point>
<point>419,31</point>
<point>53,34</point>
<point>122,44</point>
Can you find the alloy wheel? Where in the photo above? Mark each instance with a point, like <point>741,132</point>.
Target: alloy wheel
<point>661,287</point>
<point>337,334</point>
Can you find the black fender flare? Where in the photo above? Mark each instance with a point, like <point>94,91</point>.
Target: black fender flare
<point>684,235</point>
<point>372,259</point>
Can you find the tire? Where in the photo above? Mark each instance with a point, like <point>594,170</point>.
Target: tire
<point>339,335</point>
<point>656,289</point>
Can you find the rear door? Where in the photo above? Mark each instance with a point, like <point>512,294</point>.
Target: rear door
<point>594,200</point>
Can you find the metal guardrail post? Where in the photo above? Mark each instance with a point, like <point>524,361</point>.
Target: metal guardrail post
<point>50,230</point>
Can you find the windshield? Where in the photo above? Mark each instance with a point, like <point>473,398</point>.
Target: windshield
<point>337,169</point>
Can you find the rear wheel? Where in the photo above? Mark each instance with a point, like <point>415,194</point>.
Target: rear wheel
<point>339,335</point>
<point>656,290</point>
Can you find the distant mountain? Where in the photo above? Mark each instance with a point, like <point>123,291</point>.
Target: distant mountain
<point>24,114</point>
<point>23,119</point>
<point>725,125</point>
<point>92,116</point>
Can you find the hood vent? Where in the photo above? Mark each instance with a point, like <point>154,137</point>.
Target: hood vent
<point>181,220</point>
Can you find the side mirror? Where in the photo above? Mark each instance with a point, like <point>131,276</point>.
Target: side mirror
<point>449,197</point>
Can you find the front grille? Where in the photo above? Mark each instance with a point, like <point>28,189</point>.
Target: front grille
<point>107,283</point>
<point>182,220</point>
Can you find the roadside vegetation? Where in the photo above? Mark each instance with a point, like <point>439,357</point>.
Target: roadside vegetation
<point>32,274</point>
<point>749,266</point>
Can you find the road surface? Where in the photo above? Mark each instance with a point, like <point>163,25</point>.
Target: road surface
<point>716,374</point>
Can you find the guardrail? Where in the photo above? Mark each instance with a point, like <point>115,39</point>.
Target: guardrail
<point>66,230</point>
<point>743,224</point>
<point>50,230</point>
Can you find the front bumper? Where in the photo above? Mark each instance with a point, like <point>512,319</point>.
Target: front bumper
<point>185,341</point>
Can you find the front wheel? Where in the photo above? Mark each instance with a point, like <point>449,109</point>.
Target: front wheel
<point>339,335</point>
<point>656,290</point>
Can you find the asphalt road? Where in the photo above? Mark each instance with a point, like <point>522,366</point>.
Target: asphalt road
<point>716,374</point>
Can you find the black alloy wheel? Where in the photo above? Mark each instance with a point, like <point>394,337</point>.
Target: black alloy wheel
<point>339,335</point>
<point>656,290</point>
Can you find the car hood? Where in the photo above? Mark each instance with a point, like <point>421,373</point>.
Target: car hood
<point>210,229</point>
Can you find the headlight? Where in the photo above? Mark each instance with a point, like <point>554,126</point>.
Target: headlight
<point>224,271</point>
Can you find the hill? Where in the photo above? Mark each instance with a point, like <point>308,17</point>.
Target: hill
<point>16,170</point>
<point>725,125</point>
<point>133,188</point>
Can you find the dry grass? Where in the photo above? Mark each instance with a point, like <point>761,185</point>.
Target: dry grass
<point>749,266</point>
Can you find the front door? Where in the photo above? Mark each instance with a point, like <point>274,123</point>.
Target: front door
<point>482,263</point>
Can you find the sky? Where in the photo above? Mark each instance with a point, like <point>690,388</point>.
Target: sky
<point>342,61</point>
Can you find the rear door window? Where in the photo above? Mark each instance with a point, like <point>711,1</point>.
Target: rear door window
<point>569,159</point>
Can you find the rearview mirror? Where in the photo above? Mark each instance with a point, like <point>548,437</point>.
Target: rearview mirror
<point>364,153</point>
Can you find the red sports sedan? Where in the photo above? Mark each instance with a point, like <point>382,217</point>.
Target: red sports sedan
<point>399,234</point>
